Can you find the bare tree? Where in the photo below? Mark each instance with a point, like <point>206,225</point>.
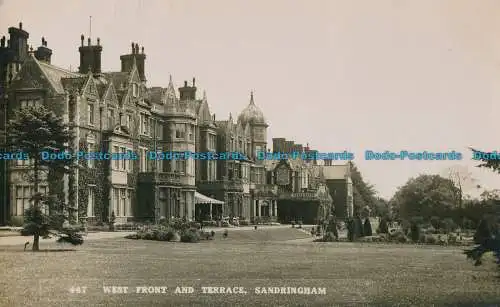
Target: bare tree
<point>462,179</point>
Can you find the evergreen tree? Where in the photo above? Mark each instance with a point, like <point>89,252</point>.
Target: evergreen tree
<point>383,226</point>
<point>488,240</point>
<point>367,228</point>
<point>32,131</point>
<point>483,232</point>
<point>350,230</point>
<point>415,232</point>
<point>358,227</point>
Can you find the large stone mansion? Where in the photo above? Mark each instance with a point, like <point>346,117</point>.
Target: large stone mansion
<point>116,112</point>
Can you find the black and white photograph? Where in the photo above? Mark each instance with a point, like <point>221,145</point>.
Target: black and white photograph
<point>249,153</point>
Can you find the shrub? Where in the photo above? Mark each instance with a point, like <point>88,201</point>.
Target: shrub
<point>430,239</point>
<point>195,225</point>
<point>17,221</point>
<point>430,230</point>
<point>209,223</point>
<point>452,238</point>
<point>398,236</point>
<point>190,236</point>
<point>244,222</point>
<point>329,237</point>
<point>133,236</point>
<point>383,227</point>
<point>367,228</point>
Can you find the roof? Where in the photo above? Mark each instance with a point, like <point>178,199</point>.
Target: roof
<point>118,78</point>
<point>202,199</point>
<point>251,114</point>
<point>335,171</point>
<point>56,74</point>
<point>76,83</point>
<point>155,94</point>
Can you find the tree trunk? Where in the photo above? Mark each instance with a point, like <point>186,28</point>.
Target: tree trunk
<point>36,204</point>
<point>36,242</point>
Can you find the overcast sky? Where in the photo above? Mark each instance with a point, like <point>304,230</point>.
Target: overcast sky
<point>356,75</point>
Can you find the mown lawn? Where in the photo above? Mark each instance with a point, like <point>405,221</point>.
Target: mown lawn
<point>352,273</point>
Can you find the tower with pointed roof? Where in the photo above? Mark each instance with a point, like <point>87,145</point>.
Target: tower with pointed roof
<point>254,118</point>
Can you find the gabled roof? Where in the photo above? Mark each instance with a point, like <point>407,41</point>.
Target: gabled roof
<point>74,83</point>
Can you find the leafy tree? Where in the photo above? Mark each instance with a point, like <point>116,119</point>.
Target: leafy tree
<point>35,130</point>
<point>426,196</point>
<point>367,228</point>
<point>381,208</point>
<point>364,194</point>
<point>463,181</point>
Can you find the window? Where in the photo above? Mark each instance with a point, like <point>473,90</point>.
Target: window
<point>116,162</point>
<point>144,124</point>
<point>91,148</point>
<point>23,199</point>
<point>180,131</point>
<point>116,201</point>
<point>128,120</point>
<point>123,201</point>
<point>135,90</point>
<point>111,118</point>
<point>211,142</point>
<point>129,203</point>
<point>180,166</point>
<point>29,103</point>
<point>190,132</point>
<point>90,113</point>
<point>28,162</point>
<point>122,159</point>
<point>91,203</point>
<point>143,159</point>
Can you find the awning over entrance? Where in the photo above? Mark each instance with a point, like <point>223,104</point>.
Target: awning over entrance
<point>202,199</point>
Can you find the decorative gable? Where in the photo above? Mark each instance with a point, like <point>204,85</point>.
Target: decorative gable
<point>90,90</point>
<point>110,97</point>
<point>31,77</point>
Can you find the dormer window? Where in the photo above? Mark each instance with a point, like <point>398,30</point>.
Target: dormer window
<point>135,90</point>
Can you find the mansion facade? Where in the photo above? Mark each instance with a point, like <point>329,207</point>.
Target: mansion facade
<point>117,112</point>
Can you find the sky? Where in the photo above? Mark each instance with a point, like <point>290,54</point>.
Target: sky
<point>340,75</point>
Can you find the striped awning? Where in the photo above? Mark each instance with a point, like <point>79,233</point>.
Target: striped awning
<point>202,199</point>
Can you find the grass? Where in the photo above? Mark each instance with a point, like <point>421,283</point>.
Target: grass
<point>364,273</point>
